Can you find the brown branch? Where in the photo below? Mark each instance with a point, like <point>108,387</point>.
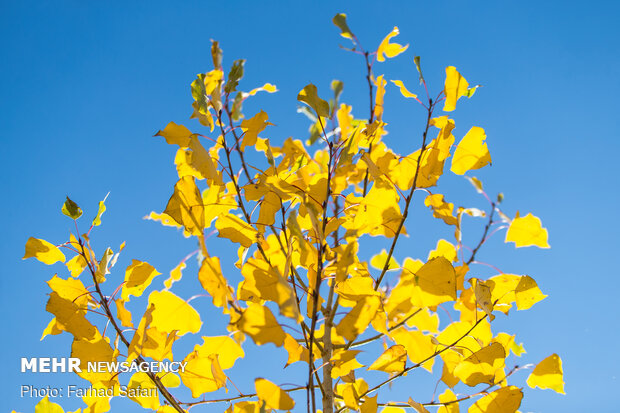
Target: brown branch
<point>415,366</point>
<point>162,389</point>
<point>484,235</point>
<point>409,196</point>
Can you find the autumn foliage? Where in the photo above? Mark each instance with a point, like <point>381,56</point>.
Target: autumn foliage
<point>298,219</point>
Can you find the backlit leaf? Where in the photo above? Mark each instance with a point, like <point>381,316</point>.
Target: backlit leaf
<point>274,396</point>
<point>340,20</point>
<point>205,364</point>
<point>97,220</point>
<point>392,360</point>
<point>43,251</point>
<point>387,49</point>
<point>309,95</point>
<point>527,293</point>
<point>172,313</point>
<point>138,276</point>
<point>504,400</point>
<point>175,134</point>
<point>455,87</point>
<point>471,152</point>
<point>259,323</point>
<point>46,406</point>
<point>527,231</point>
<point>403,89</point>
<point>71,209</point>
<point>482,366</point>
<point>252,127</point>
<point>235,74</point>
<point>435,283</point>
<point>236,230</point>
<point>548,375</point>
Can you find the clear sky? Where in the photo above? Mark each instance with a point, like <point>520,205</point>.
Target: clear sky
<point>84,86</point>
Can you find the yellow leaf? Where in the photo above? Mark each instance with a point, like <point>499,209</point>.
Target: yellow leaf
<point>263,281</point>
<point>176,134</point>
<point>259,323</point>
<point>76,265</point>
<point>548,375</point>
<point>472,152</point>
<point>70,317</point>
<point>269,206</point>
<point>172,313</point>
<point>358,319</point>
<point>444,249</point>
<point>45,406</point>
<point>344,362</point>
<point>71,289</point>
<point>150,342</point>
<point>504,400</point>
<point>267,87</point>
<point>482,366</point>
<point>43,251</point>
<point>403,89</point>
<point>392,409</point>
<point>387,49</point>
<point>455,87</point>
<point>418,407</point>
<point>380,83</point>
<point>97,220</point>
<point>52,329</point>
<point>392,360</point>
<point>201,163</point>
<point>378,261</point>
<point>185,206</point>
<point>143,391</point>
<point>527,293</point>
<point>526,231</point>
<point>309,95</point>
<point>435,283</point>
<point>175,274</point>
<point>447,397</point>
<point>123,314</point>
<point>369,405</point>
<point>217,372</point>
<point>94,351</point>
<point>138,276</point>
<point>95,402</point>
<point>236,230</point>
<point>441,209</point>
<point>252,127</point>
<point>274,396</point>
<point>296,352</point>
<point>212,280</point>
<point>419,346</point>
<point>354,289</point>
<point>205,364</point>
<point>483,298</point>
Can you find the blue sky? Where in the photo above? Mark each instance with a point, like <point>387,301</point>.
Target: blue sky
<point>85,85</point>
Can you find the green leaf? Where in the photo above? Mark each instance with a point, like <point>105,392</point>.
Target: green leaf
<point>340,20</point>
<point>416,60</point>
<point>236,107</point>
<point>216,54</point>
<point>309,96</point>
<point>71,209</point>
<point>337,86</point>
<point>235,74</point>
<point>199,92</point>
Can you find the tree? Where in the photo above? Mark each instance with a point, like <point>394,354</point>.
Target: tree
<point>299,221</point>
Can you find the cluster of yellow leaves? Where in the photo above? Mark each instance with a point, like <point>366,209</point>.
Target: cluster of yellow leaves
<point>297,222</point>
